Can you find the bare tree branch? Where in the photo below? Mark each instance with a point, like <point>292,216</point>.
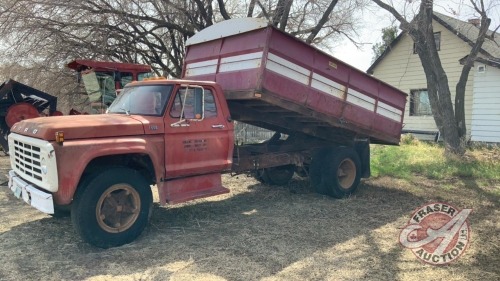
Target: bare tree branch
<point>321,22</point>
<point>222,8</point>
<point>251,7</point>
<point>42,33</point>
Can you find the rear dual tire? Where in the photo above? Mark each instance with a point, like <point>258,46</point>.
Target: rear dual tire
<point>335,172</point>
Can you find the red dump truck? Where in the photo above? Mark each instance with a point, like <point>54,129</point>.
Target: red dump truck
<point>178,134</point>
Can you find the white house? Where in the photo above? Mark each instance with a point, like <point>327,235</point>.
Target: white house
<point>400,66</point>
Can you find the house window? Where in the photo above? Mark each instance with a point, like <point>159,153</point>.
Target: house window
<point>437,40</point>
<point>419,103</point>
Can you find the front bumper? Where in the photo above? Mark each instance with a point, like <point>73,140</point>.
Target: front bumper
<point>37,198</point>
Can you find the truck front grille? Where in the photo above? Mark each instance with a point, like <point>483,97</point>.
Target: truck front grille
<point>27,159</point>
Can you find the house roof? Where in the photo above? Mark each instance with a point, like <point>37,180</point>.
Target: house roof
<point>464,30</point>
<point>469,32</point>
<point>491,62</point>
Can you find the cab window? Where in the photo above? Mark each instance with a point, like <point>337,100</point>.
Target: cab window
<point>143,75</point>
<point>126,77</point>
<point>193,103</point>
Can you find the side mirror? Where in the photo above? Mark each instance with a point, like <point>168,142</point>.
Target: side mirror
<point>199,94</point>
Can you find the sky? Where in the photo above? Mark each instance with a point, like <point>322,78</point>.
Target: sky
<point>375,19</point>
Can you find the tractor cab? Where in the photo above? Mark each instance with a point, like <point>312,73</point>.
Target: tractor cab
<point>103,81</point>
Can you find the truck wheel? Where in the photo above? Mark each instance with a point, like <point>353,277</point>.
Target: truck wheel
<point>280,175</point>
<point>316,170</point>
<point>113,208</point>
<point>342,172</point>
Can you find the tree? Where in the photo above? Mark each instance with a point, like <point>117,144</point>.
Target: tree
<point>449,120</point>
<point>39,37</point>
<point>388,35</point>
<point>151,32</point>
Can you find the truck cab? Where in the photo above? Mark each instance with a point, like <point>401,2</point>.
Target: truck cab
<point>173,133</point>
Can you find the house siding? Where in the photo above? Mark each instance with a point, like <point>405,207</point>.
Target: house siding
<point>403,69</point>
<point>486,106</point>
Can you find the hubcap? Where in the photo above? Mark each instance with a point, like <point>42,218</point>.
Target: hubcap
<point>118,208</point>
<point>346,173</point>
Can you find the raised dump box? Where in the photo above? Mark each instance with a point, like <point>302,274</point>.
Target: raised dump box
<point>275,81</point>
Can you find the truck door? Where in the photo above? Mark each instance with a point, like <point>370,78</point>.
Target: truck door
<point>198,136</point>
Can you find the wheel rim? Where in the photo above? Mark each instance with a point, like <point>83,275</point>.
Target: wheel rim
<point>346,173</point>
<point>118,208</point>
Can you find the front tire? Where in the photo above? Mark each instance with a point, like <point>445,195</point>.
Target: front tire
<point>61,212</point>
<point>113,207</point>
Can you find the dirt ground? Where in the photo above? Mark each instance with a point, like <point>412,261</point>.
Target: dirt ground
<point>259,232</point>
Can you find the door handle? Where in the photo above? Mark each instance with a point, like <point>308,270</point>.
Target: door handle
<point>218,126</point>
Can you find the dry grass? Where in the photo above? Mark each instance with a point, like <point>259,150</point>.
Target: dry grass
<point>261,233</point>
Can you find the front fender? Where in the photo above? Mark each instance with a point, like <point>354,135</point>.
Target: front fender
<point>73,156</point>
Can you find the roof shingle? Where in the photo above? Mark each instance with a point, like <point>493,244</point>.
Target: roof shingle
<point>464,30</point>
<point>470,33</point>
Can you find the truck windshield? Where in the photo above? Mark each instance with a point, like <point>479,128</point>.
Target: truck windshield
<point>142,100</point>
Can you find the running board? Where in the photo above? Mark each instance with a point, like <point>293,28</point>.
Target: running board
<point>184,189</point>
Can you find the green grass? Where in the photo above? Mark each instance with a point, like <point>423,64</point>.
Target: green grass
<point>428,159</point>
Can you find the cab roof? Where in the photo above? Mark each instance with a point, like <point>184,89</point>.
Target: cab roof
<point>80,65</point>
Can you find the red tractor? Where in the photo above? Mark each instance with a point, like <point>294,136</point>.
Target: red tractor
<point>102,82</point>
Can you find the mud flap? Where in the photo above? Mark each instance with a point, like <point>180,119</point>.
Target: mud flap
<point>362,147</point>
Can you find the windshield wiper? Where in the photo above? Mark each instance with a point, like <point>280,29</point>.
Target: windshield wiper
<point>125,110</point>
<point>122,110</point>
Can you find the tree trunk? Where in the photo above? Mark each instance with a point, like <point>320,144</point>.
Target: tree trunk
<point>462,82</point>
<point>281,14</point>
<point>286,13</point>
<point>460,102</point>
<point>449,120</point>
<point>440,100</point>
<point>222,9</point>
<point>251,7</point>
<point>437,81</point>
